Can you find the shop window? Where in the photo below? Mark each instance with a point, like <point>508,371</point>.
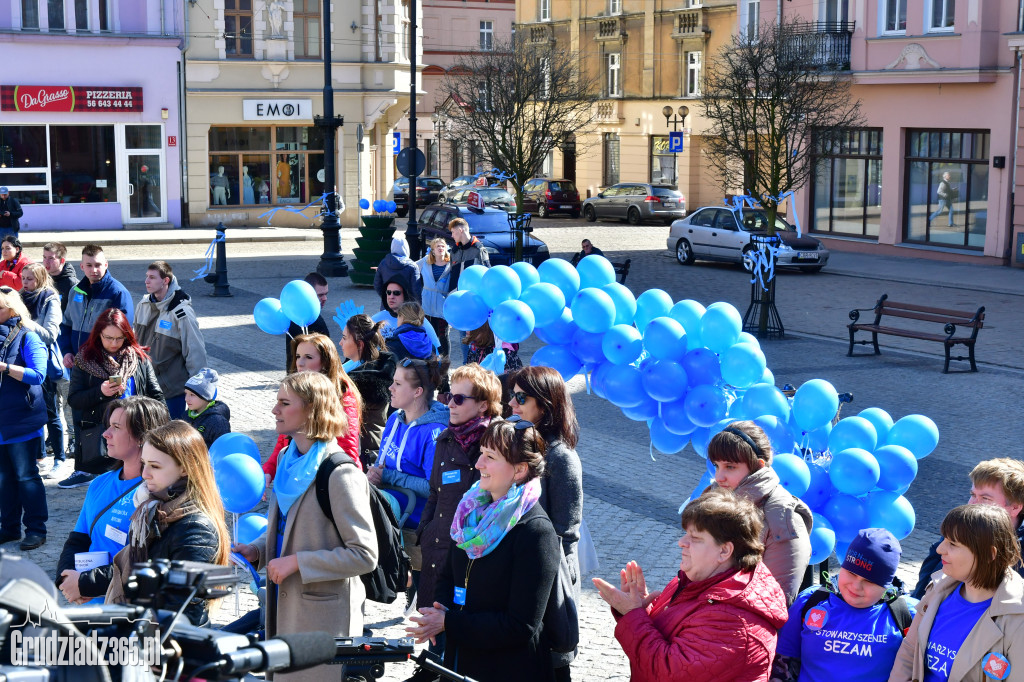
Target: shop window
<point>663,162</point>
<point>846,190</point>
<point>946,191</point>
<point>80,161</point>
<point>30,15</point>
<point>940,18</point>
<point>895,16</point>
<point>265,165</point>
<point>610,159</point>
<point>238,28</point>
<point>307,29</point>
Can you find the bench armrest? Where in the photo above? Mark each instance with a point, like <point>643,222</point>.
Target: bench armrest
<point>855,313</point>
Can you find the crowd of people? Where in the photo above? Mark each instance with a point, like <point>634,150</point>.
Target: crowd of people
<point>483,475</point>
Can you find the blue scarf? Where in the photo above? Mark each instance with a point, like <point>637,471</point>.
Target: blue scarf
<point>295,472</point>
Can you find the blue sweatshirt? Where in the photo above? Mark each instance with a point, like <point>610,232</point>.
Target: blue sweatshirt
<point>21,402</point>
<point>407,453</point>
<point>86,302</point>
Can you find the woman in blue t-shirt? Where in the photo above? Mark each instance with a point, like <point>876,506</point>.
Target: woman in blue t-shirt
<point>970,623</point>
<point>102,524</point>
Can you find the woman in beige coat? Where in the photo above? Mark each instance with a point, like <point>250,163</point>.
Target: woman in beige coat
<point>969,626</point>
<point>313,565</point>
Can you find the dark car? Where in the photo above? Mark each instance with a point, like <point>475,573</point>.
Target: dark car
<point>492,196</point>
<point>455,185</point>
<point>427,189</point>
<point>489,225</point>
<point>546,197</point>
<point>636,202</point>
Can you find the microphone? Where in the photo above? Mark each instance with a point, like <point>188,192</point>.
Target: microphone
<point>288,652</point>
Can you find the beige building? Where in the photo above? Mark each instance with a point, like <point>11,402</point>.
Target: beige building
<point>253,84</point>
<point>647,55</point>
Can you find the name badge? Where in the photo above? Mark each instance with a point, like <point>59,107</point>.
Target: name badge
<point>453,476</point>
<point>996,666</point>
<point>78,298</point>
<point>116,534</point>
<point>165,324</point>
<point>816,618</point>
<point>460,597</point>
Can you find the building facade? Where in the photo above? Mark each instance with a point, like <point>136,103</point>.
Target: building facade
<point>90,116</point>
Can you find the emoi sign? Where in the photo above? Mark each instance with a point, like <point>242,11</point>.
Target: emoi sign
<point>67,98</point>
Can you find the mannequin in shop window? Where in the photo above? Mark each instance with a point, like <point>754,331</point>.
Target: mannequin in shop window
<point>284,178</point>
<point>220,187</point>
<point>264,192</point>
<point>247,194</point>
<point>149,187</point>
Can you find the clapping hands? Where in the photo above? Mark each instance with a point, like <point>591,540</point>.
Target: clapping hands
<point>632,591</point>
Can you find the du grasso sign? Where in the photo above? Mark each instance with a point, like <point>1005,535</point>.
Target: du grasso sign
<point>67,98</point>
<point>277,109</point>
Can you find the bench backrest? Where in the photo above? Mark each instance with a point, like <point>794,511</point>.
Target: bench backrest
<point>913,311</point>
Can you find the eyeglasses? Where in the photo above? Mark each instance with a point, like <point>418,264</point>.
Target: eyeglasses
<point>392,292</point>
<point>112,339</point>
<point>459,398</point>
<point>519,397</point>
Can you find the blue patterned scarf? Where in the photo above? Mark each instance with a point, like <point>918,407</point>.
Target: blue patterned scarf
<point>295,472</point>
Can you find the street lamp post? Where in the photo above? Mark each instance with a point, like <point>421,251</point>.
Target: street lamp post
<point>675,122</point>
<point>332,263</point>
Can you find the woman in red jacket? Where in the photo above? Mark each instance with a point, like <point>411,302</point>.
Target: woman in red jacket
<point>12,262</point>
<point>719,619</point>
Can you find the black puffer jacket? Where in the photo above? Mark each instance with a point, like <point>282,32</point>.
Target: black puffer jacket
<point>373,378</point>
<point>85,395</point>
<point>193,538</point>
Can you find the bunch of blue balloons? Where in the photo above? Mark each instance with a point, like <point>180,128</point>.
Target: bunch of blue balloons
<point>235,458</point>
<point>298,304</point>
<point>688,371</point>
<point>379,205</point>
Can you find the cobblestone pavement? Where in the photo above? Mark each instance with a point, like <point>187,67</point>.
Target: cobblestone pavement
<point>631,498</point>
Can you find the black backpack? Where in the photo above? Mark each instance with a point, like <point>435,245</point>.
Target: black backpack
<point>896,603</point>
<point>391,574</point>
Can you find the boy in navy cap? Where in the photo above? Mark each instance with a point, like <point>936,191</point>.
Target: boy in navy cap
<point>851,631</point>
<point>204,412</point>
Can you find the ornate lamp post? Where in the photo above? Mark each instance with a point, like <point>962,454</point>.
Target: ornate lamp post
<point>675,122</point>
<point>332,263</point>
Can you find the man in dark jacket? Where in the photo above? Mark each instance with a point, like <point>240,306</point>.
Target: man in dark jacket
<point>64,279</point>
<point>319,326</point>
<point>587,249</point>
<point>468,251</point>
<point>62,272</point>
<point>10,213</point>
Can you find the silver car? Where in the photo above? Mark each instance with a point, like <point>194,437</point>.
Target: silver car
<point>636,202</point>
<point>721,233</point>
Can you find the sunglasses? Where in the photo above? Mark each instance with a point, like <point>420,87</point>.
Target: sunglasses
<point>459,398</point>
<point>394,292</point>
<point>417,366</point>
<point>519,397</point>
<point>521,424</point>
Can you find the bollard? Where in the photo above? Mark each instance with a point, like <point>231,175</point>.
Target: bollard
<point>220,281</point>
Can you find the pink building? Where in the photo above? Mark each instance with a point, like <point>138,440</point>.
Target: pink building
<point>933,167</point>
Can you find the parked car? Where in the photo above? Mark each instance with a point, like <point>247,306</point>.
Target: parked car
<point>489,225</point>
<point>718,233</point>
<point>545,197</point>
<point>636,202</point>
<point>455,185</point>
<point>428,187</point>
<point>492,196</point>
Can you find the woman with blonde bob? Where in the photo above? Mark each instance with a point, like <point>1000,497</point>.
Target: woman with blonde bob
<point>436,269</point>
<point>313,565</point>
<point>179,515</point>
<point>970,624</point>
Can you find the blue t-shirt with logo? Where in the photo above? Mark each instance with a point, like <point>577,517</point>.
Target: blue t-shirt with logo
<point>836,641</point>
<point>110,532</point>
<point>954,620</point>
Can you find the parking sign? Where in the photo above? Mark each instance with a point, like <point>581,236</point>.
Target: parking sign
<point>396,142</point>
<point>675,142</point>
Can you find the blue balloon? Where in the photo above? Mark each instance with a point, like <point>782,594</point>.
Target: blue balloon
<point>853,471</point>
<point>699,439</point>
<point>269,317</point>
<point>472,278</point>
<point>379,205</point>
<point>528,275</point>
<point>891,511</point>
<point>465,310</point>
<point>593,310</point>
<point>499,284</point>
<point>545,300</point>
<point>651,304</point>
<point>666,441</point>
<point>300,303</point>
<point>664,380</point>
<point>764,399</point>
<point>624,386</point>
<point>646,410</point>
<point>742,365</point>
<point>748,338</point>
<point>880,419</point>
<point>251,526</point>
<point>794,474</point>
<point>625,302</point>
<point>232,443</point>
<point>817,440</point>
<point>897,465</point>
<point>852,432</point>
<point>702,485</point>
<point>391,207</point>
<point>767,377</point>
<point>820,488</point>
<point>916,433</point>
<point>674,416</point>
<point>848,515</point>
<point>512,321</point>
<point>665,339</point>
<point>841,550</point>
<point>701,367</point>
<point>560,332</point>
<point>815,404</point>
<point>364,204</point>
<point>240,481</point>
<point>823,540</point>
<point>587,347</point>
<point>778,433</point>
<point>705,405</point>
<point>720,326</point>
<point>558,358</point>
<point>597,377</point>
<point>688,313</point>
<point>622,344</point>
<point>563,275</point>
<point>595,271</point>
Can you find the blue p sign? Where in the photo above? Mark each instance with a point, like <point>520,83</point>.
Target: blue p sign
<point>675,142</point>
<point>396,142</point>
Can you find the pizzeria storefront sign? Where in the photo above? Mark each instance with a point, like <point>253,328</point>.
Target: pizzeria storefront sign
<point>69,98</point>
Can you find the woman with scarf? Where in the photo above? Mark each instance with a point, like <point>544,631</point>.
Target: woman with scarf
<point>22,368</point>
<point>110,364</point>
<point>43,303</point>
<point>314,562</point>
<point>436,271</point>
<point>493,590</point>
<point>371,368</point>
<point>179,515</point>
<point>12,263</point>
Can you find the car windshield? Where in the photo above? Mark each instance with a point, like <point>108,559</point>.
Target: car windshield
<point>757,221</point>
<point>666,192</point>
<point>432,183</point>
<point>486,222</point>
<point>563,187</point>
<point>402,182</point>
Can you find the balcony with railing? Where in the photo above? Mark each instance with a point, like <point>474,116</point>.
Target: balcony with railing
<point>828,43</point>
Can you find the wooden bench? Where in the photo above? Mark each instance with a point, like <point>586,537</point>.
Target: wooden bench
<point>952,321</point>
<point>622,270</point>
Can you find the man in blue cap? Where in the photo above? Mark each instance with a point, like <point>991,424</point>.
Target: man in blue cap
<point>10,212</point>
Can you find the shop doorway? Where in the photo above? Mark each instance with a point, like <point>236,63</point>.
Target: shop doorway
<point>145,199</point>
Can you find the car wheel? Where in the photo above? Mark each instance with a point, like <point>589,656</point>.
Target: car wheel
<point>542,210</point>
<point>633,216</point>
<point>589,214</point>
<point>684,252</point>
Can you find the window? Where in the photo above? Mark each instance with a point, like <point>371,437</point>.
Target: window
<point>693,4</point>
<point>486,36</point>
<point>614,74</point>
<point>265,165</point>
<point>55,14</point>
<point>846,191</point>
<point>941,18</point>
<point>307,29</point>
<point>484,95</point>
<point>456,158</point>
<point>895,16</point>
<point>614,6</point>
<point>663,162</point>
<point>610,159</point>
<point>545,77</point>
<point>30,15</point>
<point>80,161</point>
<point>946,191</point>
<point>693,61</point>
<point>545,10</point>
<point>81,15</point>
<point>751,18</point>
<point>238,28</point>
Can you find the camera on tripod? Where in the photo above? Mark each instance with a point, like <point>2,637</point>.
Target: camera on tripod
<point>151,582</point>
